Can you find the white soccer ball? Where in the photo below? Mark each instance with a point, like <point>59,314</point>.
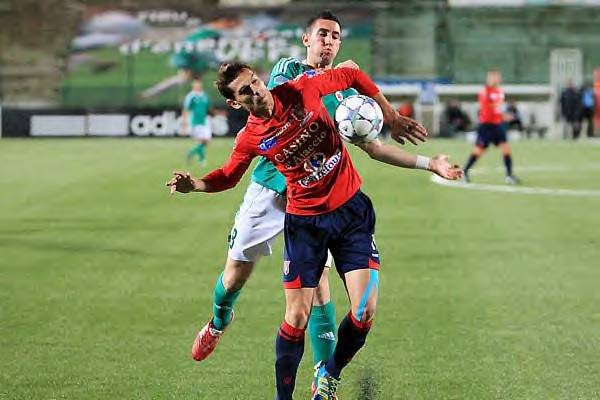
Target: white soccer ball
<point>359,119</point>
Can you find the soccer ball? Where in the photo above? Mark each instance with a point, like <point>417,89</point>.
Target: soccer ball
<point>359,119</point>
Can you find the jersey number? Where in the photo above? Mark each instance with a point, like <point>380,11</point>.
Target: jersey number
<point>231,238</point>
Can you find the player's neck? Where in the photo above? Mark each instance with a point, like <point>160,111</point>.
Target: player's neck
<point>267,111</point>
<point>315,65</point>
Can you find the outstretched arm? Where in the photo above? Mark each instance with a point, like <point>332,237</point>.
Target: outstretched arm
<point>218,180</point>
<point>393,155</point>
<point>183,182</point>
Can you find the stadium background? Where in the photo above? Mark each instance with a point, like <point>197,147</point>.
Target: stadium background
<point>104,279</point>
<point>102,57</point>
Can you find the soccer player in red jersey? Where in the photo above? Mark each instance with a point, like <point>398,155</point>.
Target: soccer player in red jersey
<point>491,125</point>
<point>325,208</point>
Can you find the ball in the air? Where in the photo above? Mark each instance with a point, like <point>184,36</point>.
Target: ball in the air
<point>359,119</point>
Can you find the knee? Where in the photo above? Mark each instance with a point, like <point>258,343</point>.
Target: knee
<point>322,295</point>
<point>233,282</point>
<point>236,274</point>
<point>297,315</point>
<point>368,315</point>
<point>365,314</point>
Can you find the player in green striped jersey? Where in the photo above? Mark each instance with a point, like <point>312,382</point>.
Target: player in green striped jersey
<point>261,215</point>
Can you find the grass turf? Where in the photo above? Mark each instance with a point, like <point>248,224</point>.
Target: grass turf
<point>105,279</point>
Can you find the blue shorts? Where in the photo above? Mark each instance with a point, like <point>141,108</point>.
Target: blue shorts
<point>348,232</point>
<point>490,133</point>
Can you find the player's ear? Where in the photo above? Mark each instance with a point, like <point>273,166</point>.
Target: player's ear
<point>305,39</point>
<point>233,104</point>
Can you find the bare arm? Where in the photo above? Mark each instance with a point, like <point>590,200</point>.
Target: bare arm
<point>184,119</point>
<point>218,180</point>
<point>395,156</point>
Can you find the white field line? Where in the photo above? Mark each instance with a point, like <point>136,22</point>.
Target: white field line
<point>525,189</point>
<point>538,168</point>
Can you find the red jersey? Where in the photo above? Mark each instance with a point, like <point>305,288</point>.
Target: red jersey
<point>491,105</point>
<point>302,142</point>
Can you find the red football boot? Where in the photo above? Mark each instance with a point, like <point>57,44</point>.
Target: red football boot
<point>206,340</point>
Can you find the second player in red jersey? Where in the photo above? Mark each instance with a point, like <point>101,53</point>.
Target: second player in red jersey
<point>492,127</point>
<point>491,105</point>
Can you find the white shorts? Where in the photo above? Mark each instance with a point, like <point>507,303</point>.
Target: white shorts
<point>258,222</point>
<point>201,132</point>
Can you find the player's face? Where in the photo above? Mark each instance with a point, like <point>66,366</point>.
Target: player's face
<point>322,43</point>
<point>494,78</point>
<point>197,85</point>
<point>251,93</point>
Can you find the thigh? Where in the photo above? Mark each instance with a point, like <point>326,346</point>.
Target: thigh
<point>305,251</point>
<point>353,245</point>
<point>483,136</point>
<point>499,134</point>
<point>202,132</point>
<point>257,223</point>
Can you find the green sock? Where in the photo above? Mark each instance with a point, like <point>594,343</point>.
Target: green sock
<point>200,152</point>
<point>322,331</point>
<point>190,154</point>
<point>223,304</point>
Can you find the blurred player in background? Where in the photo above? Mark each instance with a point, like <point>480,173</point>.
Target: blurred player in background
<point>195,120</point>
<point>492,128</point>
<point>570,108</point>
<point>588,103</point>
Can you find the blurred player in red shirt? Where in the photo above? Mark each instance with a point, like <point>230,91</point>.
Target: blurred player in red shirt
<point>326,210</point>
<point>491,125</point>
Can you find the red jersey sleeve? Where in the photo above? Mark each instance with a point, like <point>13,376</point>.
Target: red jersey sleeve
<point>230,174</point>
<point>333,80</point>
<point>482,97</point>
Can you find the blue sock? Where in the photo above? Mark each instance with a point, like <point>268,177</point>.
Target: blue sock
<point>508,164</point>
<point>289,347</point>
<point>352,335</point>
<point>470,162</point>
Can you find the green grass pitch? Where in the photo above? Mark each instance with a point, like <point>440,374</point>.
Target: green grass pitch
<point>105,279</point>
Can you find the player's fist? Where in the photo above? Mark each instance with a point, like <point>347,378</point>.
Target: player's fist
<point>440,165</point>
<point>181,182</point>
<point>406,128</point>
<point>348,64</point>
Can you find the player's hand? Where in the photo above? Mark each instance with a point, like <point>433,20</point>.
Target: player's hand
<point>181,182</point>
<point>440,165</point>
<point>348,64</point>
<point>407,128</point>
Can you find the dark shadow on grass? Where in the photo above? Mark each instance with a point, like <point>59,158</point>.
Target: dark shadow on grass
<point>368,388</point>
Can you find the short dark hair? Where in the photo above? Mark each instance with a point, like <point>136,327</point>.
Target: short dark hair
<point>227,74</point>
<point>325,14</point>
